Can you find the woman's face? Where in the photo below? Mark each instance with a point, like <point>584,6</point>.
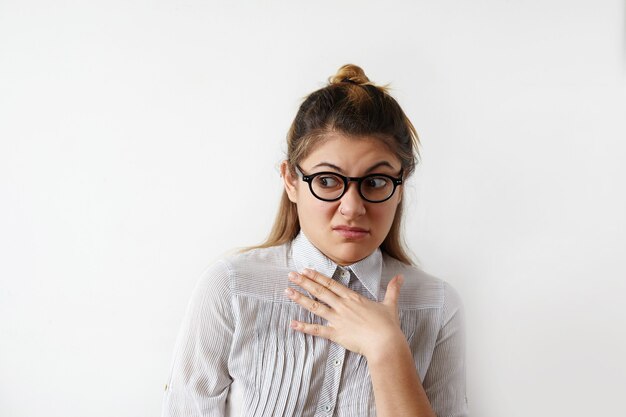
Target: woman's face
<point>349,229</point>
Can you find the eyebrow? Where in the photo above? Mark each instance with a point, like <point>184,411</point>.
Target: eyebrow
<point>338,169</point>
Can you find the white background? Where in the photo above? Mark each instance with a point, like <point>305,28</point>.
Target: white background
<point>139,141</point>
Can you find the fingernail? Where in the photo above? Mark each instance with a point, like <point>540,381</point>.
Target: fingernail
<point>289,291</point>
<point>308,272</point>
<point>293,324</point>
<point>294,277</point>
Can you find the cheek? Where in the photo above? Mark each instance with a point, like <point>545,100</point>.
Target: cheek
<point>384,214</point>
<point>322,210</point>
<point>316,210</point>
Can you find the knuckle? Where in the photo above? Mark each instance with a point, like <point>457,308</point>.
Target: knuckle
<point>314,306</point>
<point>319,290</point>
<point>357,298</point>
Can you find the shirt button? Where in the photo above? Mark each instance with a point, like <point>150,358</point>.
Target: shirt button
<point>337,363</point>
<point>345,274</point>
<point>327,408</point>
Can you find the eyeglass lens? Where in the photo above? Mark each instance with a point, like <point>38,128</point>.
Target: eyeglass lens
<point>373,188</point>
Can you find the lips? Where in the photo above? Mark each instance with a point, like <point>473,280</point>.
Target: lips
<point>351,232</point>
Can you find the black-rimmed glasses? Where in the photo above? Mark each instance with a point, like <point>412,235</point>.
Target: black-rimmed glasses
<point>330,186</point>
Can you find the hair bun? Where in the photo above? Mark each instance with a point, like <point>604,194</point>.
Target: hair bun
<point>351,74</point>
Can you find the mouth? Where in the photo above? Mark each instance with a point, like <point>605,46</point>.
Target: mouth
<point>348,232</point>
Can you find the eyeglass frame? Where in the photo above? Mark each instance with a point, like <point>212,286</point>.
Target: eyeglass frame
<point>346,182</point>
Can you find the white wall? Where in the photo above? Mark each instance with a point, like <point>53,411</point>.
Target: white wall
<point>120,121</point>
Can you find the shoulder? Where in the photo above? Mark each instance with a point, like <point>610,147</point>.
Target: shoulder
<point>253,258</point>
<point>259,272</point>
<point>420,289</point>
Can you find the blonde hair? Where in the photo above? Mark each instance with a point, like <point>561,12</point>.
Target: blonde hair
<point>352,105</point>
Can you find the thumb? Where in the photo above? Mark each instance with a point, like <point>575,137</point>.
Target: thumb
<point>393,290</point>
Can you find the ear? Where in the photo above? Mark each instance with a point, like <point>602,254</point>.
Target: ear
<point>290,182</point>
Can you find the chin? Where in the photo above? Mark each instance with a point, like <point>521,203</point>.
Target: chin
<point>349,257</point>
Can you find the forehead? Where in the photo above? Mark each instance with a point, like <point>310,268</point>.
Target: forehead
<point>347,151</point>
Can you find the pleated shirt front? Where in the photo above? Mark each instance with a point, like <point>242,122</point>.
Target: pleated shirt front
<point>237,356</point>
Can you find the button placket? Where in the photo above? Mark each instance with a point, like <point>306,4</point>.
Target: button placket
<point>343,276</point>
<point>336,354</point>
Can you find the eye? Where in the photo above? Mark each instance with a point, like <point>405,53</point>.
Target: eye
<point>376,183</point>
<point>328,181</point>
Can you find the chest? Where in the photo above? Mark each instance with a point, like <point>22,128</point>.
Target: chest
<point>280,372</point>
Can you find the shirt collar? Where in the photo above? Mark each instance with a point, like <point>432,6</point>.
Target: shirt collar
<point>368,270</point>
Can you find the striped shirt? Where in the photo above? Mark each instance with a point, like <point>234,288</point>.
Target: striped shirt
<point>237,356</point>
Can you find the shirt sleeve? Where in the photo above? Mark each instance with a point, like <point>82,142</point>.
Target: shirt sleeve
<point>444,382</point>
<point>199,381</point>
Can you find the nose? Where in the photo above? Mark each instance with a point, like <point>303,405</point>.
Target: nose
<point>351,204</point>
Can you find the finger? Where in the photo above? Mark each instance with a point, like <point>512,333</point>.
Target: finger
<point>393,291</point>
<point>313,329</point>
<point>317,290</point>
<point>326,282</point>
<point>313,306</point>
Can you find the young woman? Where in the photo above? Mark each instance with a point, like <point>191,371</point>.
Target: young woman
<point>328,317</point>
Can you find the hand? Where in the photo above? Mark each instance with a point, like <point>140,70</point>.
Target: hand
<point>355,322</point>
